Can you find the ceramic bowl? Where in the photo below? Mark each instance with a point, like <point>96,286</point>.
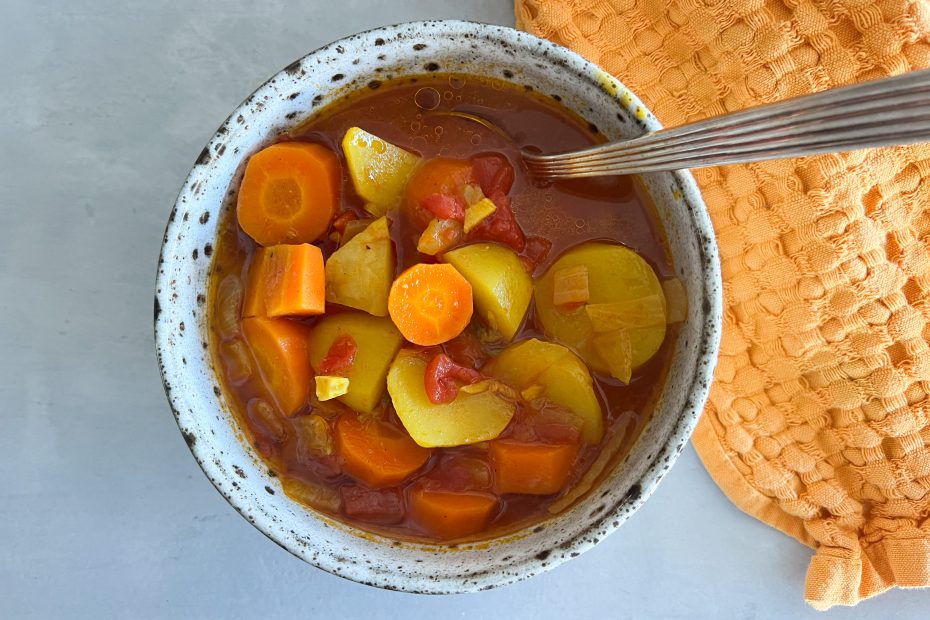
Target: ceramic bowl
<point>200,407</point>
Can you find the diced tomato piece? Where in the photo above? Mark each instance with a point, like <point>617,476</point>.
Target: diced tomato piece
<point>550,425</point>
<point>326,466</point>
<point>445,206</point>
<point>443,377</point>
<point>372,505</point>
<point>493,173</point>
<point>535,252</point>
<point>557,433</point>
<point>466,349</point>
<point>339,224</point>
<point>340,357</point>
<point>458,472</point>
<point>501,226</point>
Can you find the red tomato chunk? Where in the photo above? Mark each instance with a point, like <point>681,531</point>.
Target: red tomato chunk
<point>445,207</point>
<point>372,505</point>
<point>340,357</point>
<point>443,377</point>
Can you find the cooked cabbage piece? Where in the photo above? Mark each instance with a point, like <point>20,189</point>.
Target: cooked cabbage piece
<point>359,274</point>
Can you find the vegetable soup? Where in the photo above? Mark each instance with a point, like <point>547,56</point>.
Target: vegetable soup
<point>420,339</point>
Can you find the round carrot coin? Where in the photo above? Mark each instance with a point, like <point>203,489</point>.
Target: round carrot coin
<point>430,304</point>
<point>289,193</point>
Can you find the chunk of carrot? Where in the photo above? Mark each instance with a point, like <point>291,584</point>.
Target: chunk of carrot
<point>376,453</point>
<point>289,193</point>
<point>286,280</point>
<point>449,515</point>
<point>295,284</point>
<point>430,303</point>
<point>280,349</point>
<point>254,302</point>
<point>442,176</point>
<point>529,468</point>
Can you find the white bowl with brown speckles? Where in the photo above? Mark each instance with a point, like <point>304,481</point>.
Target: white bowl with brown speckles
<point>200,406</point>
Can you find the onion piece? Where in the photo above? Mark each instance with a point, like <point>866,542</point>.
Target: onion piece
<point>616,350</point>
<point>570,286</point>
<point>631,314</point>
<point>440,236</point>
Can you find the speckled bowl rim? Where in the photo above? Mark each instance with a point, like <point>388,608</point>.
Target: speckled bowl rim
<point>603,521</point>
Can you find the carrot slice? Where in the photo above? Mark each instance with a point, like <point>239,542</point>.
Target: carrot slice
<point>451,515</point>
<point>295,284</point>
<point>254,302</point>
<point>289,193</point>
<point>280,348</point>
<point>430,304</point>
<point>533,469</point>
<point>378,454</point>
<point>442,176</point>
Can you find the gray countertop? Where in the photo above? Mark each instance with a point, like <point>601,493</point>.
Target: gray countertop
<point>103,512</point>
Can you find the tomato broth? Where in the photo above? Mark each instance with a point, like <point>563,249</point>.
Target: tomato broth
<point>460,118</point>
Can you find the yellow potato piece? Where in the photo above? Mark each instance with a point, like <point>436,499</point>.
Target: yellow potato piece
<point>468,419</point>
<point>478,212</point>
<point>502,288</point>
<point>616,275</point>
<point>563,377</point>
<point>329,387</point>
<point>359,274</point>
<point>379,170</point>
<point>378,341</point>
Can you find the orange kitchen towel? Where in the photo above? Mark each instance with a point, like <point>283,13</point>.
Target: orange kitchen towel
<point>818,422</point>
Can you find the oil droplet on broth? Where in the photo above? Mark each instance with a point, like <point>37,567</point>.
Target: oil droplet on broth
<point>427,98</point>
<point>447,95</point>
<point>456,82</point>
<point>475,139</point>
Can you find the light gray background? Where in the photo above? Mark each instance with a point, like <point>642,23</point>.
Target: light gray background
<point>103,512</point>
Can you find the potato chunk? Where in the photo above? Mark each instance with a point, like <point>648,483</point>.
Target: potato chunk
<point>468,419</point>
<point>379,170</point>
<point>501,286</point>
<point>329,387</point>
<point>623,291</point>
<point>563,377</point>
<point>359,274</point>
<point>377,342</point>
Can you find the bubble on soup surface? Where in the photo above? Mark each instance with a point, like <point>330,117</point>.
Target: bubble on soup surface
<point>427,98</point>
<point>238,361</point>
<point>269,421</point>
<point>456,82</point>
<point>228,307</point>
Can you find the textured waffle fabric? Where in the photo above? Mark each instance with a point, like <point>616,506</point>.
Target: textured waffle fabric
<point>818,422</point>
